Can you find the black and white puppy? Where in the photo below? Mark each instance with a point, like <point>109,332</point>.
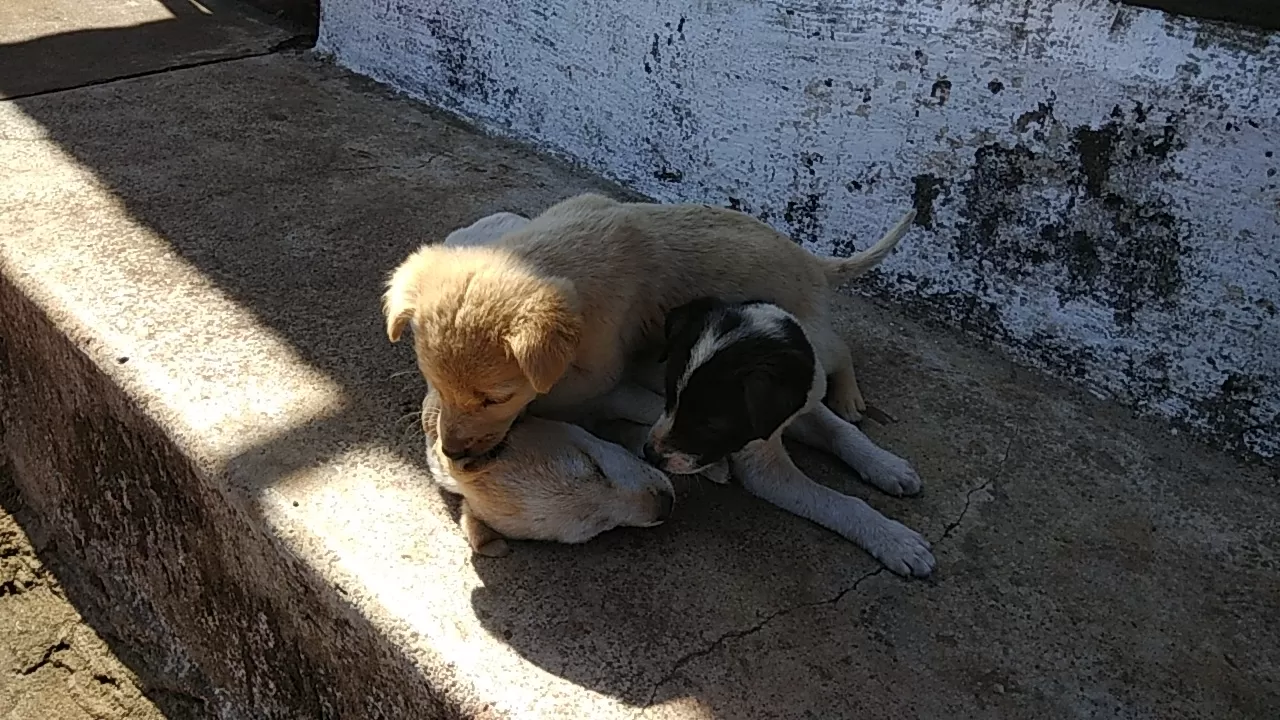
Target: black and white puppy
<point>741,375</point>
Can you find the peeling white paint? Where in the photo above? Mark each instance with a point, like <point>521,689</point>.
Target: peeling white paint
<point>1153,277</point>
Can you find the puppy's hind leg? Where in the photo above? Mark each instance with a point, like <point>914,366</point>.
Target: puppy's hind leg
<point>767,472</point>
<point>483,539</point>
<point>844,397</point>
<point>820,428</point>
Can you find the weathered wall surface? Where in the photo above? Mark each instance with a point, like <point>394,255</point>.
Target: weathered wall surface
<point>1095,182</point>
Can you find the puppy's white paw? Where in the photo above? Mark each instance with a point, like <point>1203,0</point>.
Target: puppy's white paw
<point>893,475</point>
<point>902,550</point>
<point>718,473</point>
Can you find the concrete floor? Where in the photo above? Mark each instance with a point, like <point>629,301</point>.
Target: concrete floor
<point>211,241</point>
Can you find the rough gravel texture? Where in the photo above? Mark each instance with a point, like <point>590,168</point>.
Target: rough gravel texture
<point>53,664</point>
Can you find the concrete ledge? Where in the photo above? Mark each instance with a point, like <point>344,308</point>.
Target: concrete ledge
<point>181,563</point>
<point>198,398</point>
<point>50,45</point>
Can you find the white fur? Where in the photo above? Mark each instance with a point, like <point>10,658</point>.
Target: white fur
<point>767,471</point>
<point>487,229</point>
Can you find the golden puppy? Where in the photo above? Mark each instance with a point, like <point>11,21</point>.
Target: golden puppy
<point>549,480</point>
<point>549,314</point>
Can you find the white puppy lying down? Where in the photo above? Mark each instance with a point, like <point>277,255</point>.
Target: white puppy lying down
<point>548,481</point>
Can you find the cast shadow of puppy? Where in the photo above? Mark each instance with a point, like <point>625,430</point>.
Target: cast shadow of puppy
<point>619,614</point>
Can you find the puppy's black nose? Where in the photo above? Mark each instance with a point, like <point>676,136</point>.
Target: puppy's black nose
<point>666,501</point>
<point>651,456</point>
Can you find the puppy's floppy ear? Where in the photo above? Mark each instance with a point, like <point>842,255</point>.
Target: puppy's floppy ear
<point>770,400</point>
<point>544,335</point>
<point>682,319</point>
<point>401,297</point>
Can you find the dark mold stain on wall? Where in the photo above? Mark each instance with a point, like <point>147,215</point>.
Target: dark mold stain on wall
<point>802,215</point>
<point>1230,410</point>
<point>670,113</point>
<point>941,91</point>
<point>1078,209</point>
<point>803,211</point>
<point>1115,243</point>
<point>1041,115</point>
<point>666,174</point>
<point>927,188</point>
<point>464,73</point>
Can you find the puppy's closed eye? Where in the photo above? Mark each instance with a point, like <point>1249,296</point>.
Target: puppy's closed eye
<point>488,401</point>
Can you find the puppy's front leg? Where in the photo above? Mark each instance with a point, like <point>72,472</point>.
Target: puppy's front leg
<point>631,402</point>
<point>625,401</point>
<point>767,472</point>
<point>483,539</point>
<point>613,458</point>
<point>822,429</point>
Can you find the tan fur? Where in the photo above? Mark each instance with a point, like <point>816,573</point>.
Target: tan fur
<point>483,539</point>
<point>597,275</point>
<point>490,335</point>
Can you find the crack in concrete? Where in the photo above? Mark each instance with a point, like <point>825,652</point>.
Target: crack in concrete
<point>738,634</point>
<point>48,658</point>
<point>968,497</point>
<point>968,500</point>
<point>388,166</point>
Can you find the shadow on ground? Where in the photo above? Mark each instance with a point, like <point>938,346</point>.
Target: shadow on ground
<point>51,662</point>
<point>1088,564</point>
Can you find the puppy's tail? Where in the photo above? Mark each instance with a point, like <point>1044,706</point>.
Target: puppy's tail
<point>842,270</point>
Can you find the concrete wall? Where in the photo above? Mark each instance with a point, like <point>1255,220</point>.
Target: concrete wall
<point>1095,182</point>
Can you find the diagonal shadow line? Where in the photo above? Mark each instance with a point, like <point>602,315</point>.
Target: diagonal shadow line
<point>242,167</point>
<point>172,552</point>
<point>216,31</point>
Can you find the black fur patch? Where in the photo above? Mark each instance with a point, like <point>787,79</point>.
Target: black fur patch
<point>743,392</point>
